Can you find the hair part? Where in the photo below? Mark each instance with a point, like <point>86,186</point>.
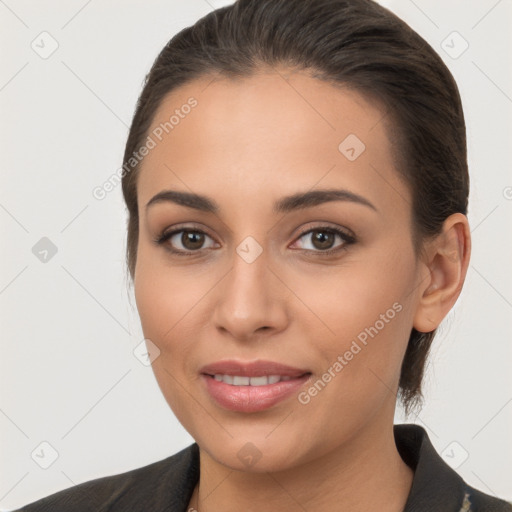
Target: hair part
<point>355,44</point>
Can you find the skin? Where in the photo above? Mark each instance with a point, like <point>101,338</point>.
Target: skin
<point>246,144</point>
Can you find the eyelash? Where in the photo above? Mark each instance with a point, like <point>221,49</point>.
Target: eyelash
<point>347,238</point>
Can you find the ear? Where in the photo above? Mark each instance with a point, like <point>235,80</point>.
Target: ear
<point>447,260</point>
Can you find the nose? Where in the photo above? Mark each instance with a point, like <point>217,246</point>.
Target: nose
<point>250,301</point>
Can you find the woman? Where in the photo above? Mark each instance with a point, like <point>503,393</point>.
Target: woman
<point>297,185</point>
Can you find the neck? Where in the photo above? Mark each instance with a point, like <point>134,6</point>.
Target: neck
<point>366,471</point>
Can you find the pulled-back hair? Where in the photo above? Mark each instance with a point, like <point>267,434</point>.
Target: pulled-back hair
<point>355,44</point>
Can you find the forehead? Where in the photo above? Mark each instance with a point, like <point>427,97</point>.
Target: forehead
<point>257,134</point>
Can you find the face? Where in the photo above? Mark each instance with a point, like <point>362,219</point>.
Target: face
<point>327,284</point>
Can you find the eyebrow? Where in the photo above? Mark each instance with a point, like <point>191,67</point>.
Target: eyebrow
<point>286,204</point>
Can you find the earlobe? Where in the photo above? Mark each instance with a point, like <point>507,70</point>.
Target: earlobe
<point>447,260</point>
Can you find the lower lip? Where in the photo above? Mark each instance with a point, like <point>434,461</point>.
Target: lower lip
<point>252,398</point>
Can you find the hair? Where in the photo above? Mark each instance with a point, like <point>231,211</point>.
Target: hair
<point>355,44</point>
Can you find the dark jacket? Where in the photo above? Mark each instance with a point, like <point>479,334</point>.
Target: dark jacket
<point>167,485</point>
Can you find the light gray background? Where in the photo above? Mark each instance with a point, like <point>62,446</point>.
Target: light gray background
<point>68,325</point>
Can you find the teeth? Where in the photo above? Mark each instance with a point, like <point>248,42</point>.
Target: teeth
<point>257,381</point>
<point>236,380</point>
<point>241,381</point>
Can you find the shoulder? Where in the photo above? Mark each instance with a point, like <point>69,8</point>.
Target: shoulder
<point>163,485</point>
<point>436,486</point>
<point>477,501</point>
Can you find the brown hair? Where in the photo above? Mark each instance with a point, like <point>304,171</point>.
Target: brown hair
<point>351,43</point>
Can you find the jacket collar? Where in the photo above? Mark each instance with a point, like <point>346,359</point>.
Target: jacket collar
<point>435,486</point>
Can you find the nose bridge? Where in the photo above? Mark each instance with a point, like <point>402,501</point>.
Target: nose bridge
<point>248,300</point>
<point>247,280</point>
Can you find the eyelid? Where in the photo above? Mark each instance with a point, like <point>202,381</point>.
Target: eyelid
<point>347,233</point>
<point>183,227</point>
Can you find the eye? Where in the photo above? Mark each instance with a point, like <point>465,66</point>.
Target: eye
<point>323,238</point>
<point>184,241</point>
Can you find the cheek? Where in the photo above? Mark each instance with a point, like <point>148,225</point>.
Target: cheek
<point>368,310</point>
<point>171,302</point>
<point>354,298</point>
<point>153,299</point>
<point>360,364</point>
<point>163,301</point>
<point>165,296</point>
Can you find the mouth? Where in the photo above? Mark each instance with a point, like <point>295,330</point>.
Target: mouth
<point>252,386</point>
<point>258,368</point>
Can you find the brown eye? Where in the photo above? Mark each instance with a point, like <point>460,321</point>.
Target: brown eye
<point>323,240</point>
<point>185,241</point>
<point>192,240</point>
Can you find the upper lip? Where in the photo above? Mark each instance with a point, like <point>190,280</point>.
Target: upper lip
<point>252,369</point>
